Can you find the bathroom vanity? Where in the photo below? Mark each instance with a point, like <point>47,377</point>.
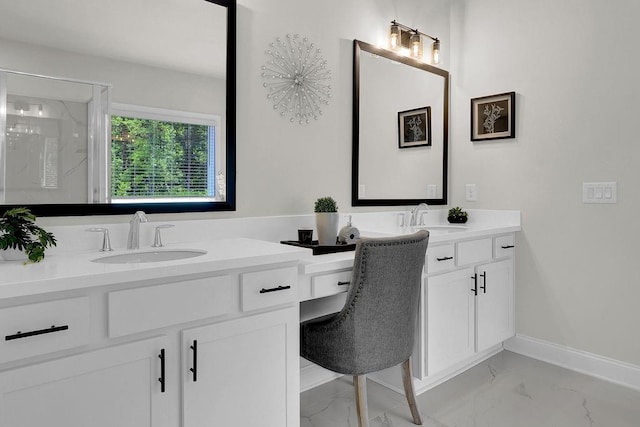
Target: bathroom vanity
<point>156,344</point>
<point>215,337</point>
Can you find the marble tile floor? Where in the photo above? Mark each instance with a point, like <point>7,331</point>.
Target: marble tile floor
<point>507,390</point>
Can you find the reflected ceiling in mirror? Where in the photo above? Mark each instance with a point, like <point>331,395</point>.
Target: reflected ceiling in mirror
<point>173,56</point>
<point>400,129</point>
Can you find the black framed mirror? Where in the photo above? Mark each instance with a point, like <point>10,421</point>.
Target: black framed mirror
<point>400,129</point>
<point>46,28</point>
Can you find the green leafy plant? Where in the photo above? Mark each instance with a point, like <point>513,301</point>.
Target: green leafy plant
<point>457,215</point>
<point>326,204</point>
<point>19,231</point>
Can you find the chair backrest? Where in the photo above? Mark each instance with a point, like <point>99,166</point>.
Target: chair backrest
<point>382,304</point>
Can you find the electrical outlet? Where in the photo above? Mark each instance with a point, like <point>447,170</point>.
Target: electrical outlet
<point>432,191</point>
<point>471,193</point>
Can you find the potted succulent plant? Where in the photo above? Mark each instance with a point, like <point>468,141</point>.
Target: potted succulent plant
<point>327,220</point>
<point>457,216</point>
<point>21,238</point>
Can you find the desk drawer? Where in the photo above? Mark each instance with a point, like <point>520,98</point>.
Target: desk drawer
<point>330,284</point>
<point>475,251</point>
<point>504,246</point>
<point>261,289</point>
<point>142,309</point>
<point>440,258</point>
<point>34,329</point>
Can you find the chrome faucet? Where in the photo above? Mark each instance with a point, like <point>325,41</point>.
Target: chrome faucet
<point>133,242</point>
<point>415,212</point>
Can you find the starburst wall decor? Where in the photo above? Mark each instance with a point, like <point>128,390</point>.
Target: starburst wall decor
<point>297,78</point>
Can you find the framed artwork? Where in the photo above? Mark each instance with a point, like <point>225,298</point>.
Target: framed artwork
<point>414,128</point>
<point>493,117</point>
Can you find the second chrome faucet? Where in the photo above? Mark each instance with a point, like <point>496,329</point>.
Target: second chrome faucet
<point>133,242</point>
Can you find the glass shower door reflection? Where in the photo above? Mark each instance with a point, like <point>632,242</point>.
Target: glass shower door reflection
<point>52,139</point>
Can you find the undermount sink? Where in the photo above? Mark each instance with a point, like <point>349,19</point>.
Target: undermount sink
<point>150,256</point>
<point>447,228</point>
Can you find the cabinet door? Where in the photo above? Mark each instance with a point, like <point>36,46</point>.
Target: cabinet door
<point>116,386</point>
<point>494,304</point>
<point>246,372</point>
<point>450,319</point>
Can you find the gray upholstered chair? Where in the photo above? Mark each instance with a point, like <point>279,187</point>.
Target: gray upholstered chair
<point>376,327</point>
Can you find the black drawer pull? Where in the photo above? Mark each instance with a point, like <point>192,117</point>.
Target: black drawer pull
<point>19,334</point>
<point>344,283</point>
<point>446,258</point>
<point>161,379</point>
<point>484,282</point>
<point>194,347</point>
<point>279,288</point>
<point>507,246</point>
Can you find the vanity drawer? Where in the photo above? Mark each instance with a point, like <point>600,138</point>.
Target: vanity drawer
<point>504,246</point>
<point>142,309</point>
<point>440,258</point>
<point>330,284</point>
<point>474,251</point>
<point>268,288</point>
<point>34,329</point>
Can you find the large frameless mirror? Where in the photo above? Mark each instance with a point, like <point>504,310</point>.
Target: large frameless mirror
<point>400,129</point>
<point>115,106</point>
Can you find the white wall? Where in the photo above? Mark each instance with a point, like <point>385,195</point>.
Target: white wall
<point>284,167</point>
<point>574,66</point>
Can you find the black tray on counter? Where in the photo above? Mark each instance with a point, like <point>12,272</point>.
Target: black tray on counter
<point>321,249</point>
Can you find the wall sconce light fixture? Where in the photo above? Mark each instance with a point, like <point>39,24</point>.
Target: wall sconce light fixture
<point>402,36</point>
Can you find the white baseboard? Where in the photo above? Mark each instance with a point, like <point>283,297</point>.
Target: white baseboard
<point>576,360</point>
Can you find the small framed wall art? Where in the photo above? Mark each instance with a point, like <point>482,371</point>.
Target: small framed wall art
<point>493,117</point>
<point>414,128</point>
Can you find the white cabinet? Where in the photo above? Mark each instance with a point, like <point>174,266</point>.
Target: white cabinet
<point>494,304</point>
<point>469,310</point>
<point>242,372</point>
<point>116,386</point>
<point>450,307</point>
<point>127,369</point>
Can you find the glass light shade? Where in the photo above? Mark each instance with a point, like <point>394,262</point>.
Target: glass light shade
<point>394,37</point>
<point>436,52</point>
<point>415,46</point>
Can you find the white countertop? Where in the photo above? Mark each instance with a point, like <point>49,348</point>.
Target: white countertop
<point>438,234</point>
<point>61,272</point>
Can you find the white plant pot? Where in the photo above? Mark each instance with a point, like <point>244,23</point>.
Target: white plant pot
<point>327,225</point>
<point>13,255</point>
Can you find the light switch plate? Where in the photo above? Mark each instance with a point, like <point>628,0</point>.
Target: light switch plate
<point>471,193</point>
<point>432,191</point>
<point>599,192</point>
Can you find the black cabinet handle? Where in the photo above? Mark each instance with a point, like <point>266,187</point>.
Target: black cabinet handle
<point>19,334</point>
<point>446,258</point>
<point>484,282</point>
<point>194,347</point>
<point>507,246</point>
<point>475,284</point>
<point>161,379</point>
<point>344,283</point>
<point>279,288</point>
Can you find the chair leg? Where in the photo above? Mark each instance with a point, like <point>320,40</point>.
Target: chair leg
<point>409,392</point>
<point>360,385</point>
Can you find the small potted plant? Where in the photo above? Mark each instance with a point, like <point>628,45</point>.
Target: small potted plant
<point>327,220</point>
<point>457,216</point>
<point>21,238</point>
